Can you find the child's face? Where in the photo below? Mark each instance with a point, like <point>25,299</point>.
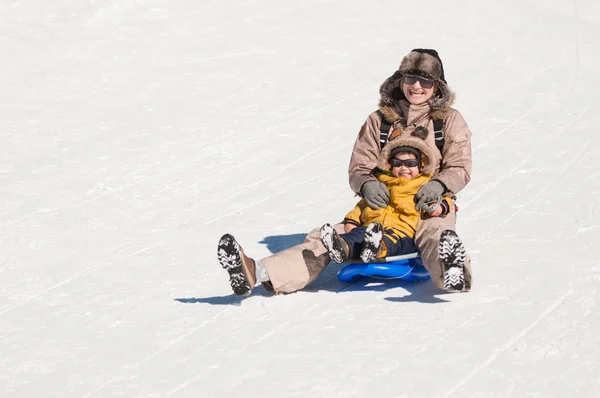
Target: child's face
<point>403,170</point>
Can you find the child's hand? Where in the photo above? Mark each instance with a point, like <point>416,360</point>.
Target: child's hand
<point>349,227</point>
<point>437,207</point>
<point>437,212</point>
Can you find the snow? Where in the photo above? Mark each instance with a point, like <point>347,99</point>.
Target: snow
<point>135,133</point>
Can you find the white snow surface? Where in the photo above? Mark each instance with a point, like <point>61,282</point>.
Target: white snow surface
<point>134,133</point>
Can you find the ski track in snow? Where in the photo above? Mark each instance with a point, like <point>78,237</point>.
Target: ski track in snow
<point>509,343</point>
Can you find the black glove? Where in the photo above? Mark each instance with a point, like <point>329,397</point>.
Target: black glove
<point>375,194</point>
<point>428,193</point>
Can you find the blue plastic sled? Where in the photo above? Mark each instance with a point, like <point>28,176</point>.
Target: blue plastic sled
<point>408,267</point>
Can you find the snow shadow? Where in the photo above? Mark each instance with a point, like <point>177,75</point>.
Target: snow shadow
<point>421,292</point>
<point>279,243</point>
<point>230,299</point>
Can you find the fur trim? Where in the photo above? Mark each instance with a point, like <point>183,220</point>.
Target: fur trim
<point>442,98</point>
<point>416,140</point>
<point>440,114</point>
<point>389,113</point>
<point>390,90</point>
<point>421,132</point>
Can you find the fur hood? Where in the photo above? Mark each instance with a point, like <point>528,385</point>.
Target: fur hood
<point>419,62</point>
<point>415,140</point>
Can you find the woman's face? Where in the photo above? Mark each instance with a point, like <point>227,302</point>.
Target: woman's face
<point>417,90</point>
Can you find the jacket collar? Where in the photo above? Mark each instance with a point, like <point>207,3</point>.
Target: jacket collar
<point>404,110</point>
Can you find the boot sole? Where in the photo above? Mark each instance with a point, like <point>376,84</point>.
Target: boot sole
<point>331,241</point>
<point>373,236</point>
<point>229,255</point>
<point>452,254</point>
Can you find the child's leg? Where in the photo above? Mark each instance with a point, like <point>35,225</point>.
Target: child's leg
<point>354,239</point>
<point>371,246</point>
<point>396,243</point>
<point>336,247</point>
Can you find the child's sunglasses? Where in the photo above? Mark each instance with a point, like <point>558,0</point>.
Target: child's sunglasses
<point>408,162</point>
<point>425,83</point>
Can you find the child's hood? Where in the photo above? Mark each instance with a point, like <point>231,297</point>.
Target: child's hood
<point>415,140</point>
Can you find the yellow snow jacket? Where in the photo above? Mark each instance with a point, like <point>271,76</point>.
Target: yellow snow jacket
<point>400,213</point>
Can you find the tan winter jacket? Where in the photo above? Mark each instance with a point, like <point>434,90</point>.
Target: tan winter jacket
<point>455,169</point>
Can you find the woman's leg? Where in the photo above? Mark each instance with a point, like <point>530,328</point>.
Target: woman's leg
<point>427,240</point>
<point>294,268</point>
<point>241,268</point>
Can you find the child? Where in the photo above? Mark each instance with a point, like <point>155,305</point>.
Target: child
<point>404,166</point>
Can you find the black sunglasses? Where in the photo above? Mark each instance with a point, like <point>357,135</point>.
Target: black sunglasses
<point>400,162</point>
<point>425,83</point>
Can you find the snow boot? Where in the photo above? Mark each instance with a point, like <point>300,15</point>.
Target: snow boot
<point>453,257</point>
<point>372,242</point>
<point>242,269</point>
<point>337,247</point>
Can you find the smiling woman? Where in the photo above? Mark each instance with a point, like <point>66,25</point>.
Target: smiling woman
<point>417,95</point>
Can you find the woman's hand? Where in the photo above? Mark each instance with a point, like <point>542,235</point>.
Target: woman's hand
<point>376,194</point>
<point>349,227</point>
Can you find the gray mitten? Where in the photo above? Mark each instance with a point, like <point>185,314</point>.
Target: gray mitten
<point>429,193</point>
<point>375,194</point>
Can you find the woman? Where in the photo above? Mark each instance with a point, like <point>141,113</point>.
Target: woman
<point>415,95</point>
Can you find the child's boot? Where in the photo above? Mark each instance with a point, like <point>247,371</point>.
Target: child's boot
<point>453,257</point>
<point>372,242</point>
<point>337,247</point>
<point>242,269</point>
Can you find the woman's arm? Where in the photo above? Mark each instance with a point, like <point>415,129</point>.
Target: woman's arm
<point>365,153</point>
<point>456,164</point>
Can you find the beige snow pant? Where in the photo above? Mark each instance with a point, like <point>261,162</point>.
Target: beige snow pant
<point>294,268</point>
<point>427,240</point>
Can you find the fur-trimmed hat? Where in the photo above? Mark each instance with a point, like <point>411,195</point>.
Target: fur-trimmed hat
<point>417,141</point>
<point>425,63</point>
<point>419,62</point>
